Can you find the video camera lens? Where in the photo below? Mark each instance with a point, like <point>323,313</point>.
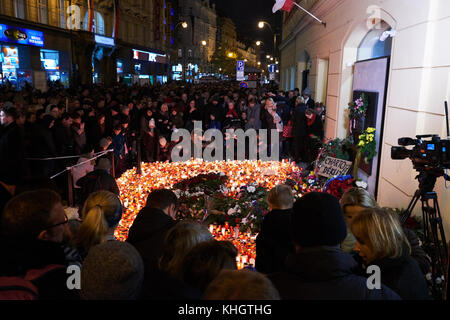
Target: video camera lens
<point>400,153</point>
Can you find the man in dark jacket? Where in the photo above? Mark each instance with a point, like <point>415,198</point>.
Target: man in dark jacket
<point>97,180</point>
<point>319,270</point>
<point>149,230</point>
<point>299,132</point>
<point>33,227</point>
<point>12,141</point>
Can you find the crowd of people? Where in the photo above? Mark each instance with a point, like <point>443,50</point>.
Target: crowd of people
<point>316,247</point>
<point>77,123</point>
<point>302,251</point>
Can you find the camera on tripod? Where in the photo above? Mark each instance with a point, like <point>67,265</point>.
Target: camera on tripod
<point>426,154</point>
<point>430,156</point>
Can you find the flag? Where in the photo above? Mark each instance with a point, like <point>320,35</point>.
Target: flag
<point>116,19</point>
<point>91,15</point>
<point>285,5</point>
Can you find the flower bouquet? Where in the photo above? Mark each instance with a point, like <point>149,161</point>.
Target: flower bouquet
<point>338,185</point>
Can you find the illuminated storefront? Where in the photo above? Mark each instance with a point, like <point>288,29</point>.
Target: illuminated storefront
<point>14,54</point>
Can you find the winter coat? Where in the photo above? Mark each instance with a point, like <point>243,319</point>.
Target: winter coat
<point>147,235</point>
<point>253,113</point>
<point>325,273</point>
<point>403,276</point>
<point>97,180</point>
<point>24,255</point>
<point>150,145</point>
<point>12,154</point>
<point>148,232</point>
<point>273,243</point>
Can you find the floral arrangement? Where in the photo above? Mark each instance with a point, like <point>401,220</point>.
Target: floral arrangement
<point>357,110</point>
<point>338,185</point>
<point>359,107</point>
<point>302,183</point>
<point>367,144</point>
<point>336,148</point>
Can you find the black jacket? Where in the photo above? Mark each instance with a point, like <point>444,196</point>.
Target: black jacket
<point>147,235</point>
<point>417,251</point>
<point>273,243</point>
<point>12,153</point>
<point>22,256</point>
<point>403,276</point>
<point>299,121</point>
<point>325,273</point>
<point>148,232</point>
<point>97,180</point>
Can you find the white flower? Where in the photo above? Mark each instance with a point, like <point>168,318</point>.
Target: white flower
<point>251,189</point>
<point>231,211</point>
<point>244,221</point>
<point>361,184</point>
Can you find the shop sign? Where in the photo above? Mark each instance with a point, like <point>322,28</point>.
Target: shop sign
<point>21,36</point>
<point>104,40</point>
<point>149,56</point>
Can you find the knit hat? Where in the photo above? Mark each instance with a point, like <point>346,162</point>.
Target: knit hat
<point>103,142</point>
<point>307,92</point>
<point>317,220</point>
<point>103,163</point>
<point>113,270</point>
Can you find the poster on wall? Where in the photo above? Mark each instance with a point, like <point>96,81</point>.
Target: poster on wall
<point>40,80</point>
<point>369,120</point>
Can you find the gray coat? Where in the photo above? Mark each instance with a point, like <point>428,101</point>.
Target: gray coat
<point>253,113</point>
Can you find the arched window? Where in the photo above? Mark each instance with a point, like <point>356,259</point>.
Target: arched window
<point>98,24</point>
<point>372,47</point>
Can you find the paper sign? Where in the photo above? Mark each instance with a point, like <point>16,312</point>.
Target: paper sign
<point>331,167</point>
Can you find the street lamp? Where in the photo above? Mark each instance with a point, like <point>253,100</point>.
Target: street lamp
<point>184,25</point>
<point>258,43</point>
<point>261,25</point>
<point>203,43</point>
<point>259,63</point>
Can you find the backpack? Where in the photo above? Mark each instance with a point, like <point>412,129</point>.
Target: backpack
<point>22,288</point>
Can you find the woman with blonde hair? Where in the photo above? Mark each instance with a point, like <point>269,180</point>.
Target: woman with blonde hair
<point>355,201</point>
<point>101,214</point>
<point>380,241</point>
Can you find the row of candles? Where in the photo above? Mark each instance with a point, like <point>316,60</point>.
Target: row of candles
<point>134,188</point>
<point>244,242</point>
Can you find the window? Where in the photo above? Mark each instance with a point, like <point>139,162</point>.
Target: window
<point>372,47</point>
<point>20,9</point>
<point>43,11</point>
<point>62,7</point>
<point>98,23</point>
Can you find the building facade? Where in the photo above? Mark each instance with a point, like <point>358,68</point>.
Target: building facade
<point>195,44</point>
<point>247,53</point>
<point>84,45</point>
<point>396,51</point>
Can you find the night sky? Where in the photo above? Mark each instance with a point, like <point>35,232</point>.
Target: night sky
<point>247,13</point>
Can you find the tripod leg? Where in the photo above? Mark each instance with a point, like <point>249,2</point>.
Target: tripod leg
<point>411,206</point>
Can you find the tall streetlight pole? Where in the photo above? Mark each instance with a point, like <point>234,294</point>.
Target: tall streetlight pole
<point>261,25</point>
<point>184,25</point>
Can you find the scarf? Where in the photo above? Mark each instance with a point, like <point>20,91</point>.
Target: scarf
<point>232,112</point>
<point>310,122</point>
